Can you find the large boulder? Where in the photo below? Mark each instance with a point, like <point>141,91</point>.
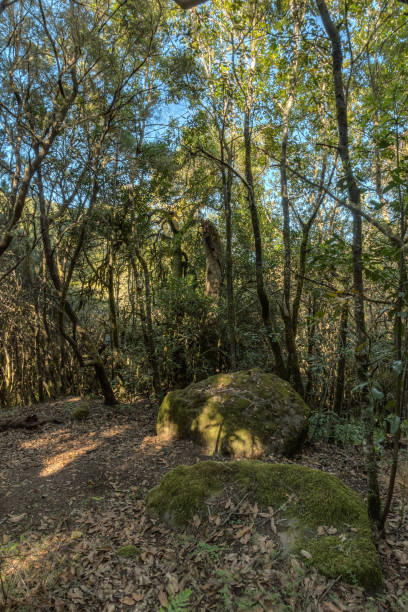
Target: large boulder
<point>242,414</point>
<point>316,516</point>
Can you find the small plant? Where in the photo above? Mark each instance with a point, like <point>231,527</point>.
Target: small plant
<point>210,550</point>
<point>328,427</point>
<point>178,603</point>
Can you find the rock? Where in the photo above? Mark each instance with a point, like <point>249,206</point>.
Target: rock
<point>128,551</point>
<point>80,411</point>
<point>245,413</point>
<point>303,500</point>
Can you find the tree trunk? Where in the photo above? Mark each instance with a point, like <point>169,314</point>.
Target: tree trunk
<point>361,351</point>
<point>112,306</point>
<point>227,189</point>
<point>213,259</point>
<point>65,307</point>
<point>260,287</point>
<point>341,366</point>
<point>149,322</point>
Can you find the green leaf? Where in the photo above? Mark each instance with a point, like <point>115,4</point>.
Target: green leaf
<point>397,367</point>
<point>377,394</point>
<point>394,424</point>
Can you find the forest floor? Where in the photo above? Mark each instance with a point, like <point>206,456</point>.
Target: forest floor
<point>73,494</point>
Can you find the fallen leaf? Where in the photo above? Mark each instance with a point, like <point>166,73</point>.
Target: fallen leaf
<point>306,554</point>
<point>137,596</point>
<point>16,518</point>
<point>196,520</point>
<point>163,599</point>
<point>241,532</point>
<point>273,525</point>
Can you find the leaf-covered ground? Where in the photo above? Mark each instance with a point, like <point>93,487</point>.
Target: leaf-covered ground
<point>74,534</point>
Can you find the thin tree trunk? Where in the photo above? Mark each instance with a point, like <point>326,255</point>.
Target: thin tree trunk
<point>112,305</point>
<point>341,366</point>
<point>61,288</point>
<point>401,381</point>
<point>260,287</point>
<point>227,192</point>
<point>361,352</point>
<point>148,326</point>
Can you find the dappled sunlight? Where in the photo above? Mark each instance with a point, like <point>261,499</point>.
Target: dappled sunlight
<point>58,462</point>
<point>67,447</point>
<point>152,443</point>
<point>116,430</point>
<point>31,568</point>
<point>41,441</point>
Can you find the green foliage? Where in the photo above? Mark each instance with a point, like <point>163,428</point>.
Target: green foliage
<point>179,602</point>
<point>328,427</point>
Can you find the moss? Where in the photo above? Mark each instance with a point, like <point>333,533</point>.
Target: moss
<point>80,411</point>
<point>182,491</point>
<point>244,413</point>
<point>304,500</point>
<point>353,558</point>
<point>129,551</point>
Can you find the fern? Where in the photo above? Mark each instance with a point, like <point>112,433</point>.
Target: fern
<point>178,603</point>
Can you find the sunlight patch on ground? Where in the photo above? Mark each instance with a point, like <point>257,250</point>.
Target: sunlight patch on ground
<point>45,440</point>
<point>114,431</point>
<point>154,442</point>
<point>72,449</point>
<point>32,569</point>
<point>58,462</point>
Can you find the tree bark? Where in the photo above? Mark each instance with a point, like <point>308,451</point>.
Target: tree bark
<point>213,259</point>
<point>227,193</point>
<point>341,366</point>
<point>61,288</point>
<point>361,351</point>
<point>260,286</point>
<point>112,305</point>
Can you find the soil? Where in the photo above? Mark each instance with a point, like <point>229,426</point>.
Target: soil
<point>72,495</point>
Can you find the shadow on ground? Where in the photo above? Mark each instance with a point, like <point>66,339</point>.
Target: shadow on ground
<point>72,495</point>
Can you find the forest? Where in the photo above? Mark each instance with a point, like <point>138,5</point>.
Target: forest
<point>203,305</point>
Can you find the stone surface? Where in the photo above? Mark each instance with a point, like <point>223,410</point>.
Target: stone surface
<point>80,411</point>
<point>319,519</point>
<point>242,414</point>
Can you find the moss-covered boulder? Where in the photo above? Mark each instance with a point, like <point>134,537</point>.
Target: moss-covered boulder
<point>80,411</point>
<point>316,515</point>
<point>242,414</point>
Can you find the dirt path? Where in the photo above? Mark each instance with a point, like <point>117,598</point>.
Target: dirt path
<point>72,495</point>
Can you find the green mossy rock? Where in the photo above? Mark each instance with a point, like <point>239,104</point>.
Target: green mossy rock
<point>242,414</point>
<point>80,411</point>
<point>315,511</point>
<point>129,551</point>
